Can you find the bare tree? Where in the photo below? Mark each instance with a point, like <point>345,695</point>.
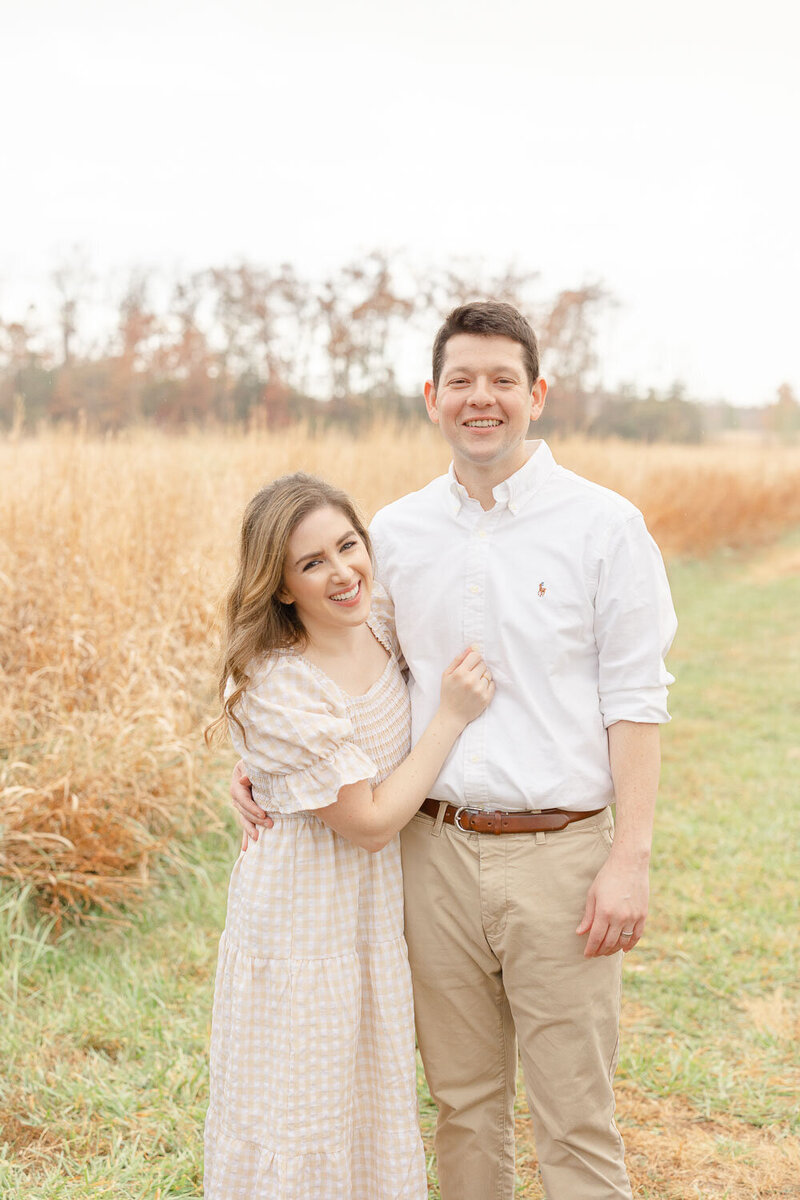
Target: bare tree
<point>298,325</point>
<point>72,278</point>
<point>358,309</point>
<point>138,329</point>
<point>462,280</point>
<point>187,365</point>
<point>244,309</point>
<point>569,339</point>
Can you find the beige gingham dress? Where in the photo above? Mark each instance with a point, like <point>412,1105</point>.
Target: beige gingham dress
<point>313,1091</point>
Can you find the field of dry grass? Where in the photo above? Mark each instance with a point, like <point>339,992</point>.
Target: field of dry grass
<point>114,556</point>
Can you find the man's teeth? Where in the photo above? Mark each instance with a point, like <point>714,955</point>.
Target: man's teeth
<point>351,595</point>
<point>482,424</point>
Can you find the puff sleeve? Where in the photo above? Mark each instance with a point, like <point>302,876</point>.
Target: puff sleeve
<point>299,750</point>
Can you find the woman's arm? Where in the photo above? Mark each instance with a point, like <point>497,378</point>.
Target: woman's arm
<point>371,817</point>
<point>368,817</point>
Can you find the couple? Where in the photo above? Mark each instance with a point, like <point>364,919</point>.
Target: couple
<point>548,599</point>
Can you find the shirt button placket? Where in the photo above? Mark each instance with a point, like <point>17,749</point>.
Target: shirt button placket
<point>475,784</point>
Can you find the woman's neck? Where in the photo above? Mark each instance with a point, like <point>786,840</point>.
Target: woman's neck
<point>331,644</point>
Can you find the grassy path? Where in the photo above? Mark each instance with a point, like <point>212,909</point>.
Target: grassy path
<point>103,1032</point>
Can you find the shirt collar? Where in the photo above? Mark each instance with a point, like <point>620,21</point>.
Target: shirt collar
<point>515,491</point>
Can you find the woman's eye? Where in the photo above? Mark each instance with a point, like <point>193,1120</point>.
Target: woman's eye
<point>314,563</point>
<point>349,545</point>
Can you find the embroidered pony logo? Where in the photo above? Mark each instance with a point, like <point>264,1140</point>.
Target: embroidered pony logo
<point>542,589</point>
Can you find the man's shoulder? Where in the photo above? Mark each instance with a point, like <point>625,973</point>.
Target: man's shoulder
<point>408,507</point>
<point>596,500</point>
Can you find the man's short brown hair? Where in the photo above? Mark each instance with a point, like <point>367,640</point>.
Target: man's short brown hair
<point>488,318</point>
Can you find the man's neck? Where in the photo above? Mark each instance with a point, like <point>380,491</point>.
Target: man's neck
<point>480,480</point>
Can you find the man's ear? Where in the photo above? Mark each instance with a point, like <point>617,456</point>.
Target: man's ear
<point>538,396</point>
<point>430,402</point>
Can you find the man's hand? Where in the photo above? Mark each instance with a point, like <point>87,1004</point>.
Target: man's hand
<point>616,906</point>
<point>248,814</point>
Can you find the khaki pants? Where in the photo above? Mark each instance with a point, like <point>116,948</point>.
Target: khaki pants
<point>490,924</point>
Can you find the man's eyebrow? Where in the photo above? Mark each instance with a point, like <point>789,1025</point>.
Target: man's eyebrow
<point>321,553</point>
<point>500,369</point>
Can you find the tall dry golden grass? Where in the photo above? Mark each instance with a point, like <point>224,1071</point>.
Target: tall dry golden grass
<point>114,557</point>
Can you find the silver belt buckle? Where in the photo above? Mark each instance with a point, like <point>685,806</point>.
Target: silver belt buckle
<point>457,818</point>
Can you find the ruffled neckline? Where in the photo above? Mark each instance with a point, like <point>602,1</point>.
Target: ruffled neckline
<point>379,634</point>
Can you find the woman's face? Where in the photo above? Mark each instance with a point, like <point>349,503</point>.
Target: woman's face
<point>327,573</point>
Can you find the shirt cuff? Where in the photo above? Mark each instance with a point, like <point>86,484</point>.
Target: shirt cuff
<point>646,706</point>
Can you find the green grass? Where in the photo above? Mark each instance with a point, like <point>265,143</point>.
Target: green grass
<point>104,1030</point>
<point>104,1037</point>
<point>723,939</point>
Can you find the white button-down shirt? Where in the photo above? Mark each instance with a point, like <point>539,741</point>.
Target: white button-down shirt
<point>564,591</point>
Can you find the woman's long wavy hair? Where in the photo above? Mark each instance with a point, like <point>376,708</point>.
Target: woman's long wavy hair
<point>256,621</point>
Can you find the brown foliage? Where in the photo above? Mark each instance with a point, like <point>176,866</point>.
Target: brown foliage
<point>697,498</point>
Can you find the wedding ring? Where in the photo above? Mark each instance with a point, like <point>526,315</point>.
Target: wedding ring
<point>626,933</point>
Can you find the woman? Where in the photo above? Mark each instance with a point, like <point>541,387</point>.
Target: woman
<point>312,1043</point>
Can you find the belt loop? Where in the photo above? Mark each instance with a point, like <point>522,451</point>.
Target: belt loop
<point>437,829</point>
<point>540,838</point>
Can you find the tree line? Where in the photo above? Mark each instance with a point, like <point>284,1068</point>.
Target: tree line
<point>251,344</point>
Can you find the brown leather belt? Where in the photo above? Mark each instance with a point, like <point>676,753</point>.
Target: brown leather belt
<point>473,820</point>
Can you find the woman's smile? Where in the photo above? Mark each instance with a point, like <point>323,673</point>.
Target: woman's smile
<point>351,596</point>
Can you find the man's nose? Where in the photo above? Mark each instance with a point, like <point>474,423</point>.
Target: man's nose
<point>481,393</point>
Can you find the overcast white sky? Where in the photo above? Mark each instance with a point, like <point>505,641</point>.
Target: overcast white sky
<point>650,146</point>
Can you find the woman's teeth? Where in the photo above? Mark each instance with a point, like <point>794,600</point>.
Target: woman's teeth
<point>351,595</point>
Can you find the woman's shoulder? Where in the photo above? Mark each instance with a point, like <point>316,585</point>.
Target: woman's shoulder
<point>286,678</point>
<point>288,715</point>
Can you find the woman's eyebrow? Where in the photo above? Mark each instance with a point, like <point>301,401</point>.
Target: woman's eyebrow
<point>321,553</point>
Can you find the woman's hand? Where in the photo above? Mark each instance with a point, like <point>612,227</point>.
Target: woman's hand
<point>467,688</point>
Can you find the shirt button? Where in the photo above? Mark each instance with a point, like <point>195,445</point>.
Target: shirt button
<point>512,508</point>
<point>474,588</point>
<point>475,758</point>
<point>481,533</point>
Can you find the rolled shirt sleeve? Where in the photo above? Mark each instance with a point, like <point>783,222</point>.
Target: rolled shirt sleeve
<point>635,624</point>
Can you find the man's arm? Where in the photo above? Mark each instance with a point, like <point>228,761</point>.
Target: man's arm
<point>248,814</point>
<point>618,898</point>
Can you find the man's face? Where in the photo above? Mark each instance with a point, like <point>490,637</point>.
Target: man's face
<point>485,402</point>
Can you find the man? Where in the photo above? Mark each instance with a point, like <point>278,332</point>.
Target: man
<point>518,902</point>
